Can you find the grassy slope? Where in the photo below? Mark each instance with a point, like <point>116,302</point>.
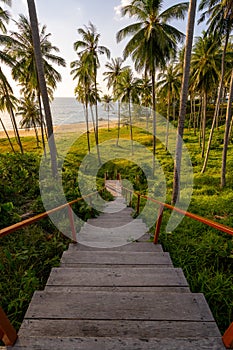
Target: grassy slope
<point>204,254</point>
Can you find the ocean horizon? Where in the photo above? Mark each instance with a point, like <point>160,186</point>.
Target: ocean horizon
<point>64,110</point>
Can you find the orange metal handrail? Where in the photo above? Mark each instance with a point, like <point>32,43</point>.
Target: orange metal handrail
<point>7,230</point>
<point>7,333</point>
<point>227,338</point>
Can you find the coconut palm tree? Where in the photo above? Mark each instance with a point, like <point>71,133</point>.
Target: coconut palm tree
<point>107,99</point>
<point>25,70</point>
<point>127,91</point>
<point>42,83</point>
<point>80,71</point>
<point>205,67</point>
<point>169,83</point>
<point>220,21</point>
<point>29,110</point>
<point>183,100</point>
<point>112,75</point>
<point>153,41</point>
<point>89,50</point>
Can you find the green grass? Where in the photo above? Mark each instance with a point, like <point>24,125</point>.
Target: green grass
<point>205,254</point>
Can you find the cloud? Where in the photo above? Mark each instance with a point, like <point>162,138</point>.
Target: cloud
<point>118,8</point>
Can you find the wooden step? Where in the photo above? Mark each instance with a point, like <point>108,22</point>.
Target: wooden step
<point>134,247</point>
<point>119,306</point>
<point>93,343</point>
<point>124,277</point>
<point>116,258</point>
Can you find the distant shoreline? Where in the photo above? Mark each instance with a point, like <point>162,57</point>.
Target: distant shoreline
<point>60,129</point>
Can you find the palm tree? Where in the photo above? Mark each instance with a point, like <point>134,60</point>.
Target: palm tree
<point>169,85</point>
<point>205,66</point>
<point>42,83</point>
<point>112,75</point>
<point>183,100</point>
<point>145,91</point>
<point>127,91</point>
<point>8,101</point>
<point>89,50</point>
<point>80,71</point>
<point>227,132</point>
<point>30,112</point>
<point>107,99</point>
<point>153,41</point>
<point>25,70</point>
<point>220,20</point>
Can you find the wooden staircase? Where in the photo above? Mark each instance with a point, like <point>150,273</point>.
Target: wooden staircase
<point>126,297</point>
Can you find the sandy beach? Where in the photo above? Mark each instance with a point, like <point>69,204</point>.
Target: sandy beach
<point>60,129</point>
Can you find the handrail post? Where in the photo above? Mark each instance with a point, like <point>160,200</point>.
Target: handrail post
<point>227,337</point>
<point>71,218</point>
<point>158,224</point>
<point>138,203</point>
<point>7,332</point>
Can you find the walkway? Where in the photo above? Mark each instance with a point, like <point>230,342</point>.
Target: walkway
<point>122,298</point>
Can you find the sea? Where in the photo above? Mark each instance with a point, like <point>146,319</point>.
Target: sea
<point>65,110</point>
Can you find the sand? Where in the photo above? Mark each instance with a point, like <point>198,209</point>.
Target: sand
<point>66,128</point>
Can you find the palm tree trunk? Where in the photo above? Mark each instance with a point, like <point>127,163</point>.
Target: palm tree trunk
<point>41,123</point>
<point>216,112</point>
<point>96,119</point>
<point>226,135</point>
<point>204,122</point>
<point>12,116</point>
<point>183,100</point>
<point>168,114</point>
<point>130,126</point>
<point>93,120</point>
<point>119,123</point>
<point>42,83</point>
<point>87,125</point>
<point>7,135</point>
<point>154,121</point>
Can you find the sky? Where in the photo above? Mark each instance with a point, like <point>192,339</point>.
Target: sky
<point>64,17</point>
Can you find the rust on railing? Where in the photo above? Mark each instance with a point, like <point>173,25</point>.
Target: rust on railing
<point>7,332</point>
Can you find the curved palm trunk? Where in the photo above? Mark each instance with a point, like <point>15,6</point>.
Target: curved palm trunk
<point>227,133</point>
<point>93,119</point>
<point>42,84</point>
<point>119,122</point>
<point>216,112</point>
<point>183,100</point>
<point>12,116</point>
<point>7,135</point>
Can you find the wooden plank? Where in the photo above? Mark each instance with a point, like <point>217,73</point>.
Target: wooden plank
<point>134,247</point>
<point>76,289</point>
<point>115,257</point>
<point>167,277</point>
<point>118,328</point>
<point>120,306</point>
<point>118,344</point>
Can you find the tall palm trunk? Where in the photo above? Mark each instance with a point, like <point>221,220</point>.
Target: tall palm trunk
<point>130,126</point>
<point>168,114</point>
<point>119,122</point>
<point>41,123</point>
<point>183,100</point>
<point>204,122</point>
<point>216,112</point>
<point>227,131</point>
<point>42,84</point>
<point>7,135</point>
<point>96,117</point>
<point>87,124</point>
<point>154,120</point>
